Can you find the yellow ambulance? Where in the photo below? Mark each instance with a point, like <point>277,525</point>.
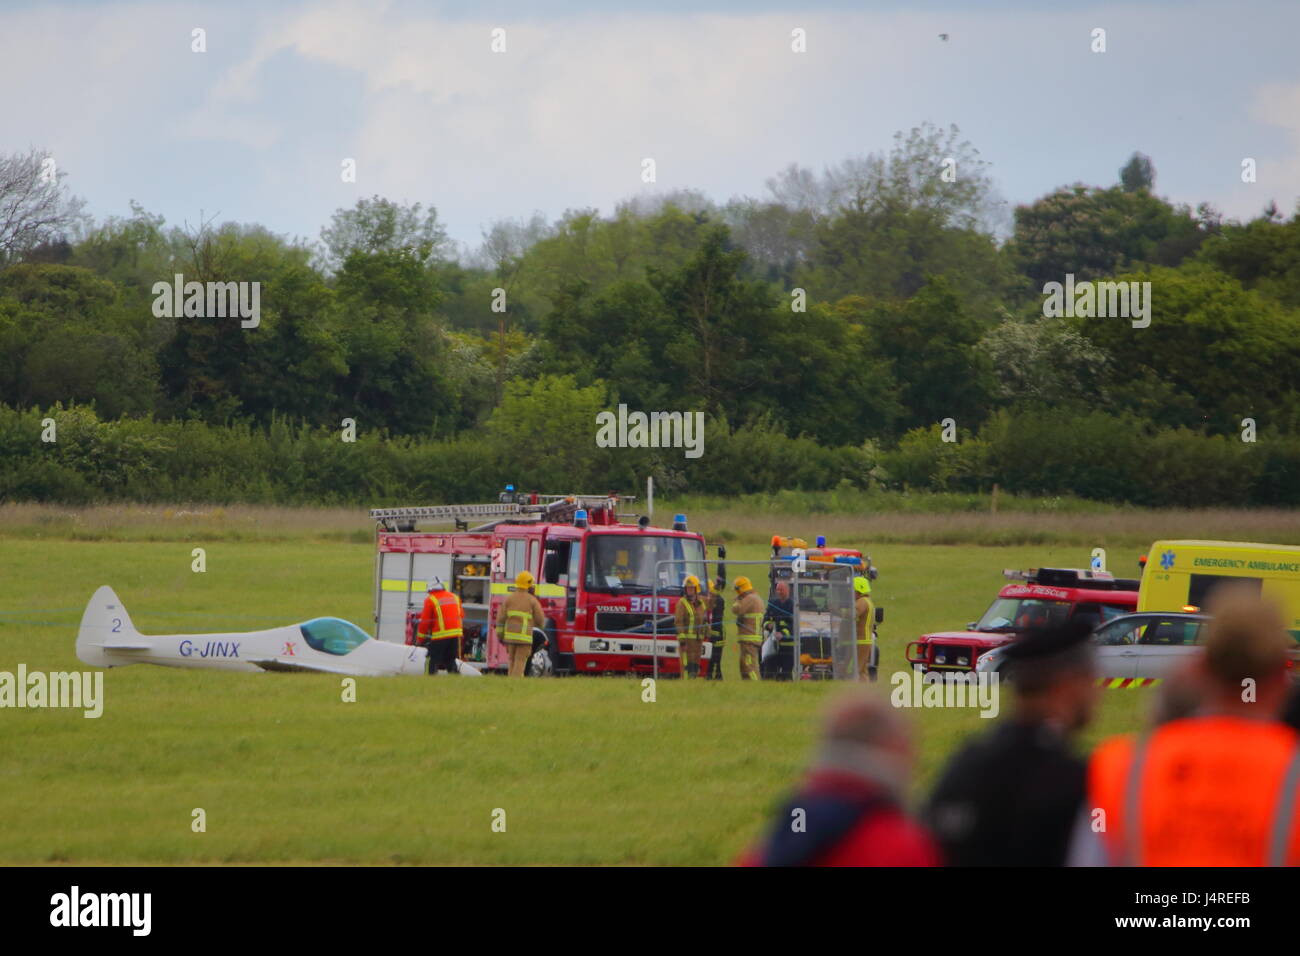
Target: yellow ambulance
<point>1180,575</point>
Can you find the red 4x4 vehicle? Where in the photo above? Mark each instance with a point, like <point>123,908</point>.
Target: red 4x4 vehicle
<point>1043,596</point>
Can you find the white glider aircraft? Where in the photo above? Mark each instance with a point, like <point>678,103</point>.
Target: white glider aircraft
<point>325,644</point>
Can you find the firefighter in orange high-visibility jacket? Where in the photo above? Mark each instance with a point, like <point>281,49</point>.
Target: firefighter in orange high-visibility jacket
<point>440,628</point>
<point>748,611</point>
<point>519,613</point>
<point>692,619</point>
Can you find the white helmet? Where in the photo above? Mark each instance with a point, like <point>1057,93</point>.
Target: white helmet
<point>435,584</point>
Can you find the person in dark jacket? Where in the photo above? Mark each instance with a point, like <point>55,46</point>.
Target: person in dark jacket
<point>1010,797</point>
<point>780,614</point>
<point>716,604</point>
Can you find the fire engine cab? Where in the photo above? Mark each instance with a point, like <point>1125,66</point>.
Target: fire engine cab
<point>1041,597</point>
<point>601,581</point>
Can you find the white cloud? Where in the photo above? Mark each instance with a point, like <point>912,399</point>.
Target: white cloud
<point>257,126</point>
<point>1278,105</point>
<point>570,101</point>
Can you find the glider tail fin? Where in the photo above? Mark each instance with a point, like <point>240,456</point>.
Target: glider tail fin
<point>104,624</point>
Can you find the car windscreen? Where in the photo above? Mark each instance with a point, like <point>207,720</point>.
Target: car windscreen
<point>330,635</point>
<point>628,563</point>
<point>1006,614</point>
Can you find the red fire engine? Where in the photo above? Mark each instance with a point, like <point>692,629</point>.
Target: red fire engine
<point>601,581</point>
<point>1046,596</point>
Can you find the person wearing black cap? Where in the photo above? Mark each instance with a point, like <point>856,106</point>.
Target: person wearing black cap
<point>1011,796</point>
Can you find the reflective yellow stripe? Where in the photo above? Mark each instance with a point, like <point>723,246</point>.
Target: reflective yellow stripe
<point>498,587</point>
<point>754,637</point>
<point>862,623</point>
<point>443,631</point>
<point>437,609</point>
<point>524,632</point>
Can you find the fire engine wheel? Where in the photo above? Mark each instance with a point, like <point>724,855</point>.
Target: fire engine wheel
<point>540,665</point>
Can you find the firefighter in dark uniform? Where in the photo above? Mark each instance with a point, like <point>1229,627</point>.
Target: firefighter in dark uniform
<point>1011,797</point>
<point>780,614</point>
<point>715,607</point>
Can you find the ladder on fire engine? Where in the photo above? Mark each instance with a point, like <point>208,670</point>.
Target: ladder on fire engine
<point>546,508</point>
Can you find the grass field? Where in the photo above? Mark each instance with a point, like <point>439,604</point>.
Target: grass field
<point>412,772</point>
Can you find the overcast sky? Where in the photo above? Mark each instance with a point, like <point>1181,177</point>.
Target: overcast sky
<point>255,129</point>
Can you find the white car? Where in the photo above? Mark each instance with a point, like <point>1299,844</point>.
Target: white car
<point>1148,644</point>
<point>330,645</point>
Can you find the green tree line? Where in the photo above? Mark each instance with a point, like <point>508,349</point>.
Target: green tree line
<point>825,329</point>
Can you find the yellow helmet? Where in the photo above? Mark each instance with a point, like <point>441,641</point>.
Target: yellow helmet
<point>861,585</point>
<point>742,584</point>
<point>524,580</point>
<point>691,582</point>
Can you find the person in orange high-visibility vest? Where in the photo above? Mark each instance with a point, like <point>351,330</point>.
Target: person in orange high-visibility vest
<point>1214,789</point>
<point>518,614</point>
<point>440,628</point>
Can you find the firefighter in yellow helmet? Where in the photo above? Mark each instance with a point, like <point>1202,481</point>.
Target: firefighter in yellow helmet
<point>517,615</point>
<point>864,613</point>
<point>748,611</point>
<point>691,620</point>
